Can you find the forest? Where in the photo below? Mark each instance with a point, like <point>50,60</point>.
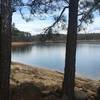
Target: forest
<point>20,36</point>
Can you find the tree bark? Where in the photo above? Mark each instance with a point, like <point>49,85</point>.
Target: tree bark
<point>5,48</point>
<point>70,57</point>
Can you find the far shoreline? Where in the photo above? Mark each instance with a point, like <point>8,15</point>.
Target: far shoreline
<point>34,42</point>
<point>20,43</point>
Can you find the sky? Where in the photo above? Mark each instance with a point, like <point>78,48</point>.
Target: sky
<point>36,25</point>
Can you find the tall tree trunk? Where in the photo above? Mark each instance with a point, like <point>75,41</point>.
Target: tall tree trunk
<point>5,48</point>
<point>69,74</point>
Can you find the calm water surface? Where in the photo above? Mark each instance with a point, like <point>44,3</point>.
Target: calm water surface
<point>52,56</point>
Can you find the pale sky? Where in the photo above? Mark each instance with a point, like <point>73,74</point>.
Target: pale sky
<point>36,26</point>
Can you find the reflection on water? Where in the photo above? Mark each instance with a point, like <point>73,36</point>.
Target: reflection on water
<point>52,56</point>
<point>22,48</point>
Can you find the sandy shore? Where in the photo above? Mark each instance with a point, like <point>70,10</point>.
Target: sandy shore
<point>24,78</point>
<point>21,43</point>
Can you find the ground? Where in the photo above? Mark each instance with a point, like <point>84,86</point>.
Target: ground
<point>33,83</point>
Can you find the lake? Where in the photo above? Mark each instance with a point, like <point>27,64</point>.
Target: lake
<point>52,56</point>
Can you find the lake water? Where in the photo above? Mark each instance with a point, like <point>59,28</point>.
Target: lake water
<point>52,56</point>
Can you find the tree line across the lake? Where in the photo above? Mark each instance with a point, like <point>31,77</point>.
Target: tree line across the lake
<point>62,37</point>
<point>20,36</point>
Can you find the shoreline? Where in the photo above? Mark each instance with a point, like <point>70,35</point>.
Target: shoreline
<point>47,69</point>
<point>48,80</point>
<point>20,43</point>
<point>34,42</point>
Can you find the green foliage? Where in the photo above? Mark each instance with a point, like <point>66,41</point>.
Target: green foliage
<point>20,35</point>
<point>49,34</point>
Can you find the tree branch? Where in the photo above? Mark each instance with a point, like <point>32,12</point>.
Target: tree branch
<point>67,1</point>
<point>87,13</point>
<point>56,20</point>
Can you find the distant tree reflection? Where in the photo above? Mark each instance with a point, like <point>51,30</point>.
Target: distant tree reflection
<point>22,48</point>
